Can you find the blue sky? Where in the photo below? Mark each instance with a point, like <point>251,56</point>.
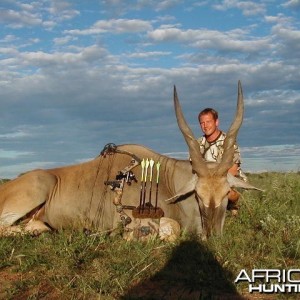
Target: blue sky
<point>75,75</point>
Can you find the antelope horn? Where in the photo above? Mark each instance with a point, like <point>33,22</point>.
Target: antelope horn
<point>230,140</point>
<point>198,164</point>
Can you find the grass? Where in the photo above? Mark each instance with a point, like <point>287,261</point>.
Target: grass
<point>74,265</point>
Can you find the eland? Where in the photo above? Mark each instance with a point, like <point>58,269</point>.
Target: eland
<point>114,188</point>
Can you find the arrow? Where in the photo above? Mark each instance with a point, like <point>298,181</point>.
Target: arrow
<point>157,181</point>
<point>151,174</point>
<point>142,184</point>
<point>145,182</point>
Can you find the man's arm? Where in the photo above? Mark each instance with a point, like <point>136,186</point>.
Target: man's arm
<point>234,170</point>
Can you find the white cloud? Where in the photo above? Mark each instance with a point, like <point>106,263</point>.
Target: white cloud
<point>40,13</point>
<point>63,40</point>
<point>235,40</point>
<point>115,26</point>
<point>146,55</point>
<point>12,154</point>
<point>62,10</point>
<point>43,59</point>
<point>121,7</point>
<point>18,19</point>
<point>279,19</point>
<point>9,38</point>
<point>292,4</point>
<point>166,4</point>
<point>15,135</point>
<point>248,8</point>
<point>8,51</point>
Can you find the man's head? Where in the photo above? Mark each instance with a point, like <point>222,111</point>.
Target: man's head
<point>209,122</point>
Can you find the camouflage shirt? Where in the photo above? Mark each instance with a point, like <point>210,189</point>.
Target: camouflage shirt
<point>213,151</point>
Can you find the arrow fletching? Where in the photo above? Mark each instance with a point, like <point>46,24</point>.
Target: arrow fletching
<point>157,171</point>
<point>146,168</point>
<point>151,168</point>
<point>143,168</point>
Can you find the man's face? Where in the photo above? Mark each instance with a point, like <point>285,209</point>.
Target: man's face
<point>208,124</point>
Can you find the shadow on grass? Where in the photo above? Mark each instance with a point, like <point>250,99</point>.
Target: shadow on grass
<point>192,272</point>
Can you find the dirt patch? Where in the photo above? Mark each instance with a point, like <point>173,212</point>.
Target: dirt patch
<point>8,278</point>
<point>18,286</point>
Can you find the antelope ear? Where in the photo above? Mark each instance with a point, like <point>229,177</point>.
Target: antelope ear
<point>186,189</point>
<point>238,183</point>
